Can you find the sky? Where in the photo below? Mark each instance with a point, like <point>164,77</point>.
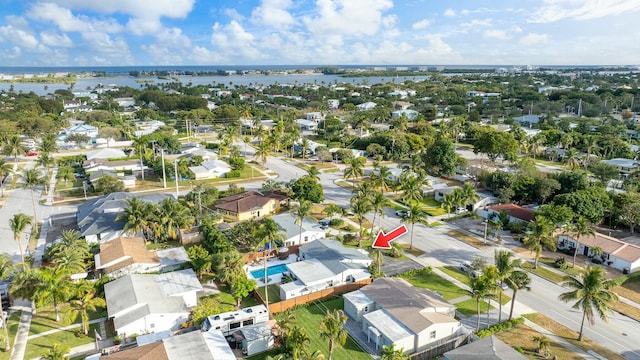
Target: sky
<point>318,32</point>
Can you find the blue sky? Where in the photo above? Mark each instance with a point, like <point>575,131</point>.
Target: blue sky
<point>283,32</point>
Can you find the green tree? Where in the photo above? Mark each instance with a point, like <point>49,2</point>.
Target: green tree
<point>378,203</point>
<point>300,212</point>
<point>31,178</point>
<point>206,306</point>
<point>242,288</point>
<point>332,329</point>
<point>269,234</point>
<point>262,152</point>
<point>478,290</point>
<point>540,236</point>
<point>55,286</point>
<point>6,270</point>
<point>411,185</point>
<point>13,146</point>
<point>56,352</point>
<point>593,292</point>
<point>543,344</point>
<point>441,157</point>
<point>417,214</point>
<point>108,184</point>
<point>84,301</point>
<point>360,207</point>
<point>136,217</point>
<point>65,173</point>
<point>313,173</point>
<point>200,259</point>
<point>332,209</point>
<point>307,189</point>
<point>582,227</point>
<point>382,179</point>
<point>6,169</point>
<point>174,216</point>
<point>494,144</point>
<point>25,284</point>
<point>18,223</point>
<point>519,280</point>
<point>391,353</point>
<point>508,270</point>
<point>354,170</point>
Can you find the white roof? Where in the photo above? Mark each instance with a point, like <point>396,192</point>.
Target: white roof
<point>107,153</point>
<point>218,345</point>
<point>179,282</point>
<point>309,271</point>
<point>387,325</point>
<point>358,298</point>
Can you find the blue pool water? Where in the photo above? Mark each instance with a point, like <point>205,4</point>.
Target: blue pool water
<point>271,270</point>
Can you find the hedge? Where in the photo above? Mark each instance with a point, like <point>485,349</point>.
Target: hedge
<point>500,327</point>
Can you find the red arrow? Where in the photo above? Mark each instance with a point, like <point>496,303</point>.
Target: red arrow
<point>383,240</point>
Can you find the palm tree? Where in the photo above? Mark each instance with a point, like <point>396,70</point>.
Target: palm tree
<point>6,269</point>
<point>519,280</point>
<point>391,353</point>
<point>332,209</point>
<point>314,173</point>
<point>269,234</point>
<point>448,202</point>
<point>411,186</point>
<point>540,236</point>
<point>300,212</point>
<point>70,241</point>
<point>506,269</point>
<point>478,290</point>
<point>30,179</point>
<point>13,146</point>
<point>378,203</point>
<point>84,301</point>
<point>6,169</point>
<point>17,224</point>
<point>140,145</point>
<point>469,193</point>
<point>55,286</point>
<point>543,344</point>
<point>25,284</point>
<point>354,170</point>
<point>174,216</point>
<point>360,207</point>
<point>417,214</point>
<point>46,161</point>
<point>582,227</point>
<point>593,292</point>
<point>304,147</point>
<point>56,352</point>
<point>262,152</point>
<point>332,328</point>
<point>48,144</point>
<point>136,216</point>
<point>382,179</point>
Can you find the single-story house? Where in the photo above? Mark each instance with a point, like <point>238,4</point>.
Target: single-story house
<point>116,165</point>
<point>515,212</point>
<point>310,230</point>
<point>125,102</point>
<point>128,181</point>
<point>79,129</point>
<point>255,339</point>
<point>366,106</point>
<point>141,303</point>
<point>307,125</point>
<point>615,253</point>
<point>210,169</point>
<point>625,166</point>
<point>147,127</point>
<point>194,345</point>
<point>106,153</point>
<point>249,205</point>
<point>324,263</point>
<point>312,146</point>
<point>96,218</point>
<point>441,193</point>
<point>392,311</point>
<point>528,120</point>
<point>129,255</point>
<point>488,348</point>
<point>410,114</point>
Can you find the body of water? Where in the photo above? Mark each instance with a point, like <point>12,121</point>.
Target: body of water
<point>271,270</point>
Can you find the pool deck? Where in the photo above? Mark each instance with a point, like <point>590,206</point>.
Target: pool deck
<point>273,279</point>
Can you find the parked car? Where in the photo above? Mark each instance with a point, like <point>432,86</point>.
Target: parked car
<point>461,210</point>
<point>402,213</point>
<point>33,153</point>
<point>466,267</point>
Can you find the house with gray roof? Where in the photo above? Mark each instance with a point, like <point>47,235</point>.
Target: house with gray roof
<point>489,348</point>
<point>325,263</point>
<point>625,166</point>
<point>528,120</point>
<point>311,230</point>
<point>143,303</point>
<point>210,169</point>
<point>96,218</point>
<point>392,311</point>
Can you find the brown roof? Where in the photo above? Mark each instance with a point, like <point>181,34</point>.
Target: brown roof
<point>411,306</point>
<point>124,251</point>
<point>153,351</point>
<point>611,245</point>
<point>515,211</point>
<point>247,201</point>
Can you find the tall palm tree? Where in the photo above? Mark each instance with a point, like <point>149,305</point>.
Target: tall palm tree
<point>85,300</point>
<point>300,212</point>
<point>269,234</point>
<point>70,241</point>
<point>262,152</point>
<point>448,202</point>
<point>593,292</point>
<point>506,269</point>
<point>540,236</point>
<point>31,178</point>
<point>332,209</point>
<point>55,286</point>
<point>48,144</point>
<point>519,280</point>
<point>417,214</point>
<point>6,169</point>
<point>378,203</point>
<point>478,290</point>
<point>314,173</point>
<point>13,146</point>
<point>17,224</point>
<point>354,170</point>
<point>136,217</point>
<point>332,329</point>
<point>411,186</point>
<point>140,145</point>
<point>582,227</point>
<point>6,269</point>
<point>174,216</point>
<point>469,193</point>
<point>382,179</point>
<point>25,284</point>
<point>360,207</point>
<point>56,352</point>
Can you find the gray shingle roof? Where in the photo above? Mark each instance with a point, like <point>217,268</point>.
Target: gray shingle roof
<point>288,224</point>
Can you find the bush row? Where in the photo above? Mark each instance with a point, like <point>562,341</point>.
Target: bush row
<point>500,327</point>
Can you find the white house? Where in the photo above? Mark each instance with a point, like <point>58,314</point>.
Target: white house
<point>255,338</point>
<point>325,263</point>
<point>310,230</point>
<point>392,311</point>
<point>366,106</point>
<point>125,102</point>
<point>147,127</point>
<point>141,303</point>
<point>333,104</point>
<point>410,114</point>
<point>106,153</point>
<point>80,129</point>
<point>625,166</point>
<point>307,125</point>
<point>615,253</point>
<point>210,169</point>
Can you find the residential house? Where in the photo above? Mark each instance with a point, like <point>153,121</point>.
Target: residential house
<point>441,193</point>
<point>121,166</point>
<point>195,149</point>
<point>210,169</point>
<point>107,153</point>
<point>125,102</point>
<point>392,311</point>
<point>402,105</point>
<point>147,127</point>
<point>255,339</point>
<point>333,104</point>
<point>129,255</point>
<point>75,106</point>
<point>307,125</point>
<point>79,129</point>
<point>516,212</point>
<point>249,205</point>
<point>128,181</point>
<point>230,321</point>
<point>314,116</point>
<point>625,166</point>
<point>528,120</point>
<point>325,263</point>
<point>488,348</point>
<point>96,218</point>
<point>143,303</point>
<point>615,253</point>
<point>408,113</point>
<point>310,229</point>
<point>312,146</point>
<point>366,106</point>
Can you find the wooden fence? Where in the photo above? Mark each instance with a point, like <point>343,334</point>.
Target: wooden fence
<point>318,295</point>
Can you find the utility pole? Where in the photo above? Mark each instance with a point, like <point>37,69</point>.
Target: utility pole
<point>175,167</point>
<point>164,173</point>
<point>486,225</point>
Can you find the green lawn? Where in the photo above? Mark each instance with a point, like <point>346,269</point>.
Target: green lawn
<point>37,346</point>
<point>274,293</point>
<point>225,297</point>
<point>430,201</point>
<point>543,272</point>
<point>428,280</point>
<point>45,319</point>
<point>455,273</point>
<point>14,320</point>
<point>468,307</point>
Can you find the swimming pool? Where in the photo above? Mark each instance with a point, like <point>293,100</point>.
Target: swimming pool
<point>271,270</point>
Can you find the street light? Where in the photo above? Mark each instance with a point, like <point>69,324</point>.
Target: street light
<point>486,225</point>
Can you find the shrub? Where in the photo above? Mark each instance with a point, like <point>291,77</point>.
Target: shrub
<point>233,174</point>
<point>350,239</point>
<point>596,261</point>
<point>500,327</point>
<point>117,340</point>
<point>336,222</point>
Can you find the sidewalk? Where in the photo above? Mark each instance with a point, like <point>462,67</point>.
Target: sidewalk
<point>20,343</point>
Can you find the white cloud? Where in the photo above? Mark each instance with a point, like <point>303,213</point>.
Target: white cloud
<point>421,24</point>
<point>496,34</point>
<point>273,13</point>
<point>233,14</point>
<point>19,37</point>
<point>66,21</point>
<point>534,39</point>
<point>354,18</point>
<point>233,41</point>
<point>556,10</point>
<point>136,8</point>
<point>449,13</point>
<point>52,38</point>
